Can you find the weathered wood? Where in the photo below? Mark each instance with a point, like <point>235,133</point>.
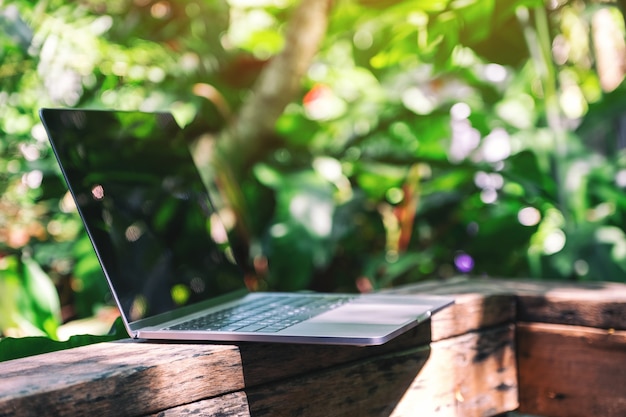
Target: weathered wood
<point>472,310</point>
<point>117,379</point>
<point>564,369</point>
<point>461,363</point>
<point>469,375</point>
<point>136,378</point>
<point>591,304</point>
<point>93,372</point>
<point>600,305</point>
<point>364,388</point>
<point>228,405</point>
<point>571,371</point>
<point>188,372</point>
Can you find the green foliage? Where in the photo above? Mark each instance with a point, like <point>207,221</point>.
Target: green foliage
<point>14,348</point>
<point>429,138</point>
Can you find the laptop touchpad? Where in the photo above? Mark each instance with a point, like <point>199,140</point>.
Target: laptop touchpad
<point>372,314</point>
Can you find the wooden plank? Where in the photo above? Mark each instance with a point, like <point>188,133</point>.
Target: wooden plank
<point>94,369</point>
<point>159,370</point>
<point>603,307</point>
<point>571,371</point>
<point>266,362</point>
<point>470,312</point>
<point>361,388</point>
<point>564,370</point>
<point>589,304</point>
<point>474,307</point>
<point>228,405</point>
<point>469,375</point>
<point>116,379</point>
<point>67,382</point>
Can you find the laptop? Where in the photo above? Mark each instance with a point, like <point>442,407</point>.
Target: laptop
<point>154,226</point>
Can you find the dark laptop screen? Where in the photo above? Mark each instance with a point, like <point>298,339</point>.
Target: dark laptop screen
<point>145,208</point>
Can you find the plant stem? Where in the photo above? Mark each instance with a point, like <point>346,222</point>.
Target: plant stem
<point>539,43</point>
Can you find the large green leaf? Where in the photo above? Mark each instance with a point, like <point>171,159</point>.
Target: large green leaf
<point>44,296</point>
<point>14,348</point>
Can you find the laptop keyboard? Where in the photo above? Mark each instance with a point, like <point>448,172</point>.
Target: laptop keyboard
<point>267,314</point>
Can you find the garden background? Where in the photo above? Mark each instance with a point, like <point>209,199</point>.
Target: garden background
<point>374,142</point>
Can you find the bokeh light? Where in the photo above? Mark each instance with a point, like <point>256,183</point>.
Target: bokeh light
<point>464,262</point>
<point>529,216</point>
<point>554,242</point>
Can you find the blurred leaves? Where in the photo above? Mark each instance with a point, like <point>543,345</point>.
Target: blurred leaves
<point>13,348</point>
<point>425,140</point>
<point>299,239</point>
<point>29,299</point>
<point>43,296</point>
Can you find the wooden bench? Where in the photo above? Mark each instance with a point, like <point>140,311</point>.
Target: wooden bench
<point>551,349</point>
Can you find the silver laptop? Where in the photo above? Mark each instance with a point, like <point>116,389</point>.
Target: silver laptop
<point>154,228</point>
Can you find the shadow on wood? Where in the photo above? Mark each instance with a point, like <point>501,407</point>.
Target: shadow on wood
<point>568,341</point>
<point>315,380</point>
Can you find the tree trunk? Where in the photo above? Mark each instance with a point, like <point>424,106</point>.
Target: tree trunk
<point>278,84</point>
<point>253,127</point>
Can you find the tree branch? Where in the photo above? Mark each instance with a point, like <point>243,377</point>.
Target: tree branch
<point>280,81</point>
<point>251,130</point>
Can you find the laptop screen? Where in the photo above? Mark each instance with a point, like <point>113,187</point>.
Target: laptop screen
<point>145,207</point>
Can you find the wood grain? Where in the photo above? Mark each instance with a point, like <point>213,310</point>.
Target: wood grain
<point>469,375</point>
<point>116,379</point>
<point>474,308</point>
<point>111,377</point>
<point>591,304</point>
<point>179,379</point>
<point>460,363</point>
<point>570,371</point>
<point>228,405</point>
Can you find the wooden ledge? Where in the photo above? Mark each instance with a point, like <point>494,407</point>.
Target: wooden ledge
<point>592,304</point>
<point>461,363</point>
<point>571,370</point>
<point>470,372</point>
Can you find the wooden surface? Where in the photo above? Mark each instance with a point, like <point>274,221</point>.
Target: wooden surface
<point>462,363</point>
<point>470,375</point>
<point>571,371</point>
<point>570,341</point>
<point>471,372</point>
<point>438,381</point>
<point>593,304</point>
